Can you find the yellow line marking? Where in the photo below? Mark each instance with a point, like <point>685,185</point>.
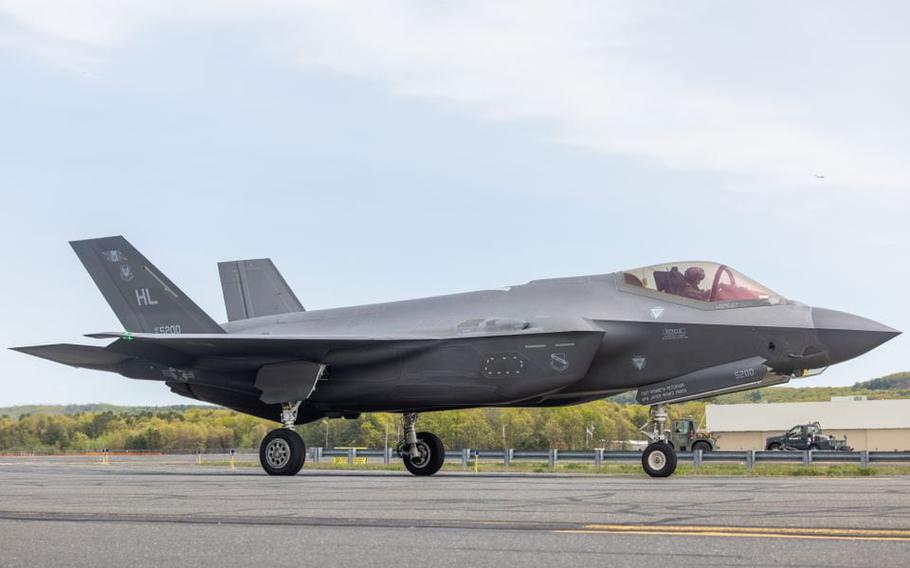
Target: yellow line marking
<point>738,534</point>
<point>751,532</point>
<point>776,530</point>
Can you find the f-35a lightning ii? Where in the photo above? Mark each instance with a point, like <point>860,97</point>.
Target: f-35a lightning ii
<point>675,332</point>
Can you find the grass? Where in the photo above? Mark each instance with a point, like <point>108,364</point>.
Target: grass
<point>629,468</point>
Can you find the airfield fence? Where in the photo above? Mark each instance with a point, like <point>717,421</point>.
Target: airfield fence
<point>551,458</point>
<point>600,457</point>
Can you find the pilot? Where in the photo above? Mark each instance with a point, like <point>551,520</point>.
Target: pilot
<point>690,288</point>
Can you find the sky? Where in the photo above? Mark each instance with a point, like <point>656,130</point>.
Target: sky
<point>383,151</point>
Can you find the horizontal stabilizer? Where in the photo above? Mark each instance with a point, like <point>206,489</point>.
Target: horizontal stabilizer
<point>254,288</point>
<point>87,356</point>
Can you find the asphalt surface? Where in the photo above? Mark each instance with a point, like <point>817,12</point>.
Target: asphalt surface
<point>165,512</point>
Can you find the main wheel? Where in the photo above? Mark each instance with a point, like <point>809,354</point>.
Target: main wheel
<point>282,452</point>
<point>432,455</point>
<point>659,459</point>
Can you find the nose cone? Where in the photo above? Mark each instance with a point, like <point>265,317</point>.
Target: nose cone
<point>846,336</point>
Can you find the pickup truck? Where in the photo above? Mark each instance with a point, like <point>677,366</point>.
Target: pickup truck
<point>806,437</point>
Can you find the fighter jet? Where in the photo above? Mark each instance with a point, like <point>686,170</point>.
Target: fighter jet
<point>675,332</point>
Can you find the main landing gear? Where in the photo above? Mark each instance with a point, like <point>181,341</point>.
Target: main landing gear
<point>282,451</point>
<point>659,458</point>
<point>421,452</point>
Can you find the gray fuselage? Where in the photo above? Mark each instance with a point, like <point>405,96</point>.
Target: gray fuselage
<point>646,338</point>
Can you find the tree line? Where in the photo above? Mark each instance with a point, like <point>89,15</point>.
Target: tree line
<point>605,423</point>
<point>596,424</point>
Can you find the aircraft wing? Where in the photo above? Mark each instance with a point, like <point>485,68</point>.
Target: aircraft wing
<point>287,367</point>
<point>183,348</point>
<point>236,345</point>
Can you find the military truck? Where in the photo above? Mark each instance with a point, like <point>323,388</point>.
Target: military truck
<point>806,437</point>
<point>685,437</point>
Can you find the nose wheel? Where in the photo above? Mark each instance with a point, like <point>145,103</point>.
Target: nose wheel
<point>659,458</point>
<point>421,452</point>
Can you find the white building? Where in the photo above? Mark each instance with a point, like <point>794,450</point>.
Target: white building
<point>868,424</point>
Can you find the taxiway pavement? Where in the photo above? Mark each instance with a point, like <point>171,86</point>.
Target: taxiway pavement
<point>153,512</point>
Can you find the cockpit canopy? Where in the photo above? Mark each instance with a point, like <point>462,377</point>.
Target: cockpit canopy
<point>701,281</point>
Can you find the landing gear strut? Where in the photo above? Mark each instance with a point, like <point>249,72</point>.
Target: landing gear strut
<point>282,451</point>
<point>421,452</point>
<point>659,458</point>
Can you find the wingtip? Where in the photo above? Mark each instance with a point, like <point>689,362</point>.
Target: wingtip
<point>239,260</point>
<point>27,350</point>
<point>80,241</point>
<point>107,334</point>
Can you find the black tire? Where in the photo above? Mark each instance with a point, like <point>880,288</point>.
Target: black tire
<point>703,446</point>
<point>813,447</point>
<point>282,452</point>
<point>775,446</point>
<point>659,459</point>
<point>432,455</point>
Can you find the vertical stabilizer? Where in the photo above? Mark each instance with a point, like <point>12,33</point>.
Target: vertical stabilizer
<point>142,297</point>
<point>254,288</point>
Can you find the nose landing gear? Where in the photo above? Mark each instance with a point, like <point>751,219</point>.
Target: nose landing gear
<point>659,458</point>
<point>421,452</point>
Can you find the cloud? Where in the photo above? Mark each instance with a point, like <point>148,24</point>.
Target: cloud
<point>93,23</point>
<point>593,74</point>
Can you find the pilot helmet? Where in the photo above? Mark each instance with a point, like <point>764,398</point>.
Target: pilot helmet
<point>695,274</point>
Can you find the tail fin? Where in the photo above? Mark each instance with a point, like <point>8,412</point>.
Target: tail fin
<point>254,288</point>
<point>144,299</point>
